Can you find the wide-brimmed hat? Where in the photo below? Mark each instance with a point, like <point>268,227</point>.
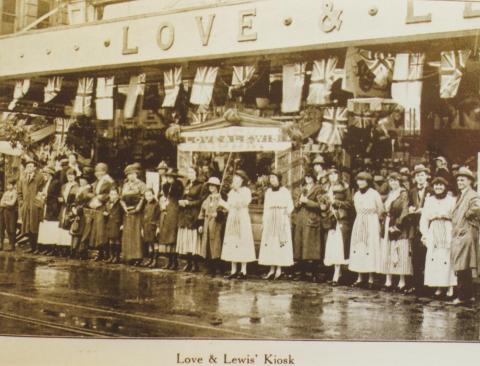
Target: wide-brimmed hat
<point>441,158</point>
<point>172,172</point>
<point>420,168</point>
<point>101,167</point>
<point>395,176</point>
<point>49,170</point>
<point>30,161</point>
<point>242,174</point>
<point>378,178</point>
<point>162,165</point>
<point>465,172</point>
<point>404,170</point>
<point>214,181</point>
<point>132,168</point>
<point>364,176</point>
<point>318,160</point>
<point>440,180</point>
<point>333,171</point>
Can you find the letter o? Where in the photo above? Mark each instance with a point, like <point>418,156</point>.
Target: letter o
<point>167,44</point>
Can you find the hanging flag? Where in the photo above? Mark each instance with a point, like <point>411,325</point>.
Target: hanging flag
<point>83,100</point>
<point>54,85</point>
<point>293,80</point>
<point>452,67</point>
<point>203,84</point>
<point>367,73</point>
<point>324,74</point>
<point>104,100</point>
<point>172,79</point>
<point>334,126</point>
<point>136,87</point>
<point>407,87</point>
<point>241,76</point>
<point>61,129</point>
<point>20,90</point>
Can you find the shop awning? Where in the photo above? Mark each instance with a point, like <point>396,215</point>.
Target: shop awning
<point>235,132</point>
<point>7,149</point>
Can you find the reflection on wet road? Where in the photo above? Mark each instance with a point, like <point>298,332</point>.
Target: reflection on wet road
<point>44,296</point>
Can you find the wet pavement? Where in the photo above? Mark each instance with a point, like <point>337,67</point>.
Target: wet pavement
<point>59,297</point>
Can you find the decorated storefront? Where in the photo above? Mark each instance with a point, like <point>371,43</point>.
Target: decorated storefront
<point>357,82</point>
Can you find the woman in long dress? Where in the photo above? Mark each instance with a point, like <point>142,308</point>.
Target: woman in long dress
<point>132,201</point>
<point>238,244</point>
<point>168,223</point>
<point>276,248</point>
<point>188,240</point>
<point>395,253</point>
<point>67,199</point>
<point>340,213</point>
<point>365,240</point>
<point>307,244</point>
<point>436,229</point>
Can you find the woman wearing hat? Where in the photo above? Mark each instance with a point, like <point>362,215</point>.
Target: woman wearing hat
<point>188,240</point>
<point>168,224</point>
<point>238,244</point>
<point>340,210</point>
<point>95,227</point>
<point>436,229</point>
<point>132,200</point>
<point>365,240</point>
<point>276,248</point>
<point>307,250</point>
<point>48,230</point>
<point>395,253</point>
<point>212,220</point>
<point>67,199</point>
<point>77,228</point>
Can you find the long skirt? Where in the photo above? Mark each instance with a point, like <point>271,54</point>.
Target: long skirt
<point>365,244</point>
<point>334,248</point>
<point>64,237</point>
<point>48,233</point>
<point>188,242</point>
<point>132,247</point>
<point>401,257</point>
<point>384,257</point>
<point>439,270</point>
<point>98,233</point>
<point>274,253</point>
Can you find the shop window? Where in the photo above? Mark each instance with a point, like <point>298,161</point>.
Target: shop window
<point>8,16</point>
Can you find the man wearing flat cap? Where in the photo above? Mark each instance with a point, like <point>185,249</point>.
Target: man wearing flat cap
<point>94,232</point>
<point>29,186</point>
<point>465,234</point>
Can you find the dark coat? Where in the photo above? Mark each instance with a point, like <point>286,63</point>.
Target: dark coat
<point>66,216</point>
<point>113,214</point>
<point>95,222</point>
<point>52,206</point>
<point>188,215</point>
<point>342,212</point>
<point>397,213</point>
<point>29,209</point>
<point>151,215</point>
<point>169,216</point>
<point>307,241</point>
<point>412,221</point>
<point>465,231</point>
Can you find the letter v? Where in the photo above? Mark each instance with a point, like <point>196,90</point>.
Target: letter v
<point>205,33</point>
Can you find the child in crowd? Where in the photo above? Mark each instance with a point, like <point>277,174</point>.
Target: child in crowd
<point>9,214</point>
<point>113,221</point>
<point>151,216</point>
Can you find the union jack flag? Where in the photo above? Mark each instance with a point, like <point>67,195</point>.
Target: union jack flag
<point>334,126</point>
<point>324,74</point>
<point>203,84</point>
<point>54,85</point>
<point>83,100</point>
<point>452,66</point>
<point>171,83</point>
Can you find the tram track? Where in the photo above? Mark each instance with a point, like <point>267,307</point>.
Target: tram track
<point>227,333</point>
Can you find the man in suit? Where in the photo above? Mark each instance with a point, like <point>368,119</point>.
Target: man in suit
<point>465,227</point>
<point>416,198</point>
<point>30,185</point>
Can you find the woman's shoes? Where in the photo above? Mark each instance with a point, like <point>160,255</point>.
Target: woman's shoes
<point>278,277</point>
<point>358,285</point>
<point>187,268</point>
<point>231,276</point>
<point>269,276</point>
<point>241,276</point>
<point>335,284</point>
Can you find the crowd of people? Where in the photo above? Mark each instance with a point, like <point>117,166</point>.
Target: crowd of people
<point>415,232</point>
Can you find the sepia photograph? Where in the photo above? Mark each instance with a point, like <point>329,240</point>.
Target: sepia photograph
<point>231,170</point>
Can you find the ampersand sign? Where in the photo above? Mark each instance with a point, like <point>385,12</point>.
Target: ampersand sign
<point>331,18</point>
